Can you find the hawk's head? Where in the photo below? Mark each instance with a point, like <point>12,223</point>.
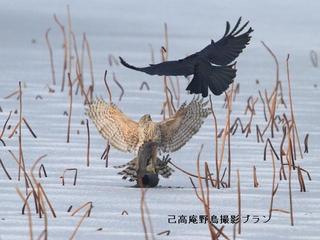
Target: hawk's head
<point>145,119</point>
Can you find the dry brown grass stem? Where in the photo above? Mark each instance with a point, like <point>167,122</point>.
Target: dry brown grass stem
<point>5,125</point>
<point>191,174</point>
<point>12,94</point>
<point>215,143</point>
<point>65,47</point>
<point>51,57</point>
<point>306,139</point>
<point>144,84</point>
<point>291,110</point>
<point>90,59</point>
<point>69,46</point>
<point>274,188</point>
<point>275,91</point>
<point>264,106</point>
<point>29,127</point>
<point>21,162</point>
<point>29,213</point>
<point>167,233</point>
<point>74,178</point>
<point>43,170</point>
<point>70,108</point>
<point>88,143</point>
<point>239,200</point>
<point>107,86</point>
<point>78,64</point>
<point>171,100</point>
<point>5,170</point>
<point>314,58</point>
<point>268,142</point>
<point>86,214</point>
<point>255,179</point>
<point>114,78</point>
<point>89,204</point>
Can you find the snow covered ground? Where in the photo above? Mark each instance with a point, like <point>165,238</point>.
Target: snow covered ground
<point>126,28</point>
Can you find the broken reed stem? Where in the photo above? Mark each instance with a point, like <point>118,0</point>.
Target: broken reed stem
<point>144,225</point>
<point>69,40</point>
<point>75,175</point>
<point>107,86</point>
<point>5,170</point>
<point>239,201</point>
<point>5,124</point>
<point>83,206</point>
<point>306,139</point>
<point>151,53</point>
<point>86,214</point>
<point>144,84</point>
<point>255,179</point>
<point>28,126</point>
<point>226,131</point>
<point>88,143</point>
<point>205,199</point>
<point>20,136</point>
<point>264,107</point>
<point>171,100</point>
<point>188,173</point>
<point>29,212</point>
<point>78,65</point>
<point>229,137</point>
<point>274,189</point>
<point>90,59</point>
<point>165,83</point>
<point>216,143</point>
<point>119,85</point>
<point>275,93</point>
<point>291,108</point>
<point>70,107</point>
<point>44,171</point>
<point>65,47</point>
<point>289,160</point>
<point>105,154</point>
<point>12,94</point>
<point>51,57</point>
<point>27,179</point>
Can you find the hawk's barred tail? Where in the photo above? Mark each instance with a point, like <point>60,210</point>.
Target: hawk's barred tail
<point>130,171</point>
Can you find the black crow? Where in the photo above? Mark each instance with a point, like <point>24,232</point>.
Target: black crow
<point>211,67</point>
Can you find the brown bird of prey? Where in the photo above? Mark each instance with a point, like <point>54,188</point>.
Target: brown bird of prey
<point>147,138</point>
<point>211,67</point>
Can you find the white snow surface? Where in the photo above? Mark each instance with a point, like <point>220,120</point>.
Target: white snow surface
<point>126,28</point>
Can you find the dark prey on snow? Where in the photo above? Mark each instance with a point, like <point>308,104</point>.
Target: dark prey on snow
<point>211,67</point>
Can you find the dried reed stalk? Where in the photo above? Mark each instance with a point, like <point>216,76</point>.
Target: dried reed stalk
<point>119,85</point>
<point>291,109</point>
<point>86,214</point>
<point>29,127</point>
<point>216,143</point>
<point>239,201</point>
<point>5,170</point>
<point>107,86</point>
<point>74,178</point>
<point>90,59</point>
<point>275,91</point>
<point>5,125</point>
<point>70,107</point>
<point>12,94</point>
<point>88,143</point>
<point>65,47</point>
<point>51,57</point>
<point>144,84</point>
<point>255,179</point>
<point>29,213</point>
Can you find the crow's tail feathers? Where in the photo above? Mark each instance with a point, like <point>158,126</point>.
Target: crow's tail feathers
<point>216,78</point>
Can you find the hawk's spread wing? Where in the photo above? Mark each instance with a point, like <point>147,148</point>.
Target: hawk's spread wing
<point>113,125</point>
<point>177,130</point>
<point>228,48</point>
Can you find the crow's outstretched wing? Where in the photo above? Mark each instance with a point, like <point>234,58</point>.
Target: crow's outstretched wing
<point>228,48</point>
<point>182,67</point>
